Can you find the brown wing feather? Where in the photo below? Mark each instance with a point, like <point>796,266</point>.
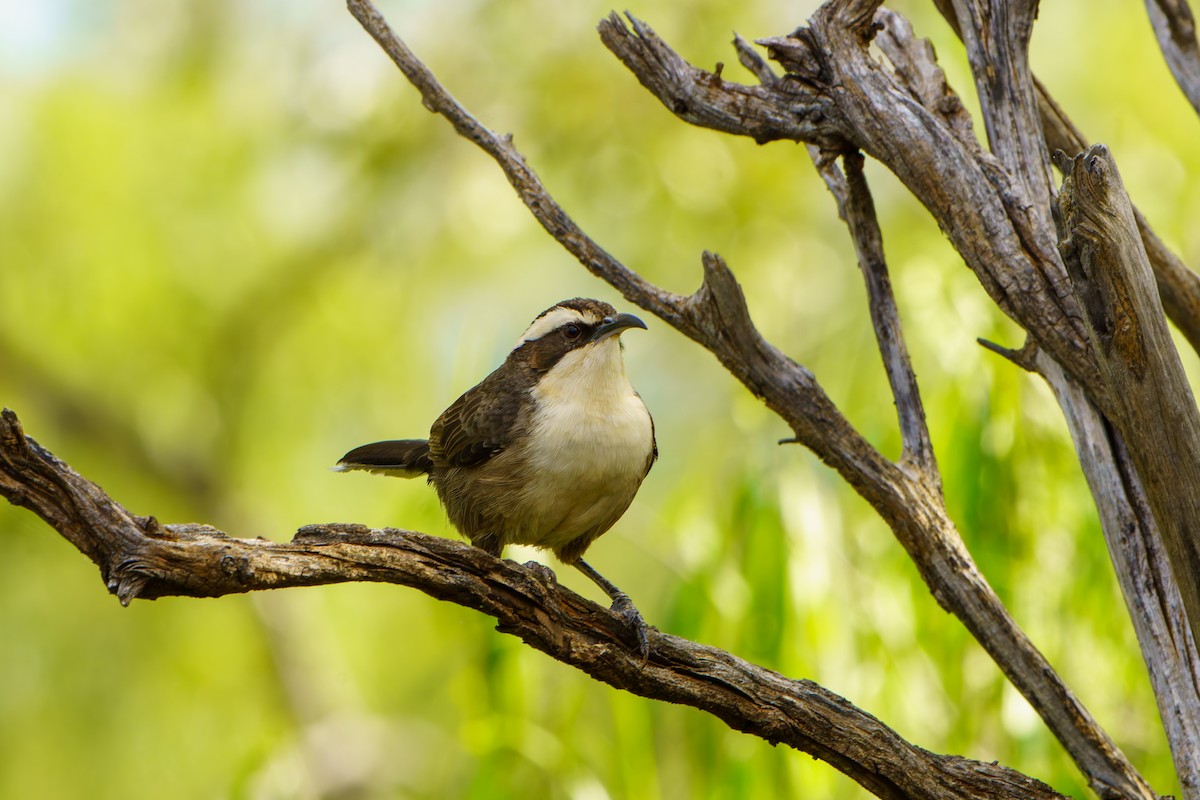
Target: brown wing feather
<point>482,422</point>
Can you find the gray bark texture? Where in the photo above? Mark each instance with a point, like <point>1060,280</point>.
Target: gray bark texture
<point>1076,266</point>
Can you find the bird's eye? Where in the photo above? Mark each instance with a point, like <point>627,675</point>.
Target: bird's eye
<point>572,331</point>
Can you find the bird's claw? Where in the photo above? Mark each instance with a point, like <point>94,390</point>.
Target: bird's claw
<point>623,607</point>
<point>544,573</point>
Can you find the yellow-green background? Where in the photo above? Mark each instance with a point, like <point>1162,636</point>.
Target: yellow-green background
<point>234,245</point>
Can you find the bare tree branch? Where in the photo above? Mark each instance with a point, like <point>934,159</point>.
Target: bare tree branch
<point>1178,286</point>
<point>717,317</point>
<point>1175,27</point>
<point>140,558</point>
<point>856,207</point>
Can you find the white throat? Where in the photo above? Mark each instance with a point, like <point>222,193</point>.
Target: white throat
<point>590,445</point>
<point>593,375</point>
<point>587,413</point>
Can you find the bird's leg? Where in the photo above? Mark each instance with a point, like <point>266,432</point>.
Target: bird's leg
<point>621,604</point>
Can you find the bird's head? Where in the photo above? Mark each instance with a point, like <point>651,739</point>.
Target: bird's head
<point>579,326</point>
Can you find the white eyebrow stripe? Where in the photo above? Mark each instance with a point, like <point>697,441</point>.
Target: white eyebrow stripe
<point>549,322</point>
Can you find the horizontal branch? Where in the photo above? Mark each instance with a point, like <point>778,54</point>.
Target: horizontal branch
<point>141,558</point>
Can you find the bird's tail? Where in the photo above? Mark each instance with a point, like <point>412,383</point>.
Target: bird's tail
<point>404,458</point>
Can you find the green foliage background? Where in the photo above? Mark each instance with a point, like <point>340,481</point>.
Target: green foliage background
<point>233,245</point>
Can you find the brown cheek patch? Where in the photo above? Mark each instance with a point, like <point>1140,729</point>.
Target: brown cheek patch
<point>546,352</point>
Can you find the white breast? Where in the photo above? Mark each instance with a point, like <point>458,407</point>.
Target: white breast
<point>590,440</point>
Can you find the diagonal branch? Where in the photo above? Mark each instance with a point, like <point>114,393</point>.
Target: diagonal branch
<point>718,318</point>
<point>523,179</point>
<point>856,207</point>
<point>1175,28</point>
<point>1142,568</point>
<point>140,558</point>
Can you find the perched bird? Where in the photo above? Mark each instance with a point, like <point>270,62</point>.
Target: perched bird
<point>549,450</point>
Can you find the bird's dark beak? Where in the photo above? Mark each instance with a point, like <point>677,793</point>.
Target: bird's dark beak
<point>612,326</point>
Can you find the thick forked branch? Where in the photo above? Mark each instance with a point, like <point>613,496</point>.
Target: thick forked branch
<point>717,317</point>
<point>1155,408</point>
<point>1178,286</point>
<point>977,204</point>
<point>140,558</point>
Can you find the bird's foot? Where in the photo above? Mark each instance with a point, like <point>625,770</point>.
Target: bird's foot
<point>544,573</point>
<point>623,607</point>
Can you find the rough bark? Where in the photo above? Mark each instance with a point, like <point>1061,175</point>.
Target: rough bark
<point>1178,286</point>
<point>140,558</point>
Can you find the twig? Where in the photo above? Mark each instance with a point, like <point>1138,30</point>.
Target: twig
<point>857,209</point>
